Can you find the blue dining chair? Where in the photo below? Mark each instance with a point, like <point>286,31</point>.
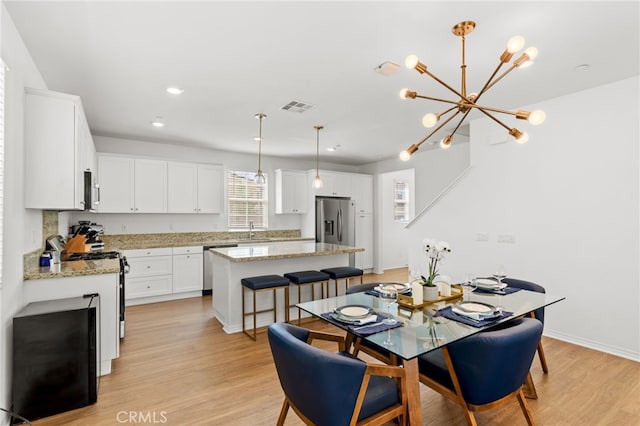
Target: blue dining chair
<point>486,369</point>
<point>361,345</point>
<point>332,389</point>
<point>537,314</point>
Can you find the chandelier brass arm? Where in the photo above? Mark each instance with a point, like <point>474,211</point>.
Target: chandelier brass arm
<point>469,102</point>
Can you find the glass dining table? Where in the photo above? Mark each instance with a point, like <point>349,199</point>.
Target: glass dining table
<point>424,330</point>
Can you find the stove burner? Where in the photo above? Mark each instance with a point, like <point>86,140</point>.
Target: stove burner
<point>94,255</point>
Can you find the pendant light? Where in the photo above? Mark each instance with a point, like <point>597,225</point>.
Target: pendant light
<point>259,178</point>
<point>317,182</point>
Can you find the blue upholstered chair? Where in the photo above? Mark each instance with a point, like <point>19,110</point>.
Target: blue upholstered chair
<point>486,369</point>
<point>361,345</point>
<point>537,314</point>
<point>333,389</point>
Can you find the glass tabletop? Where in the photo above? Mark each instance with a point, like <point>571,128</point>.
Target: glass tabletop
<point>422,331</point>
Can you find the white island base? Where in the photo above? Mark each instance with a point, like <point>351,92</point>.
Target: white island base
<point>232,264</point>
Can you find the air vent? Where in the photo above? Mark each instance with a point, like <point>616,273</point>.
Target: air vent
<point>297,106</point>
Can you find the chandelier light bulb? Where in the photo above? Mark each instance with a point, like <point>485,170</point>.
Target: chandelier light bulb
<point>523,138</point>
<point>515,43</point>
<point>317,182</point>
<point>445,143</point>
<point>404,155</point>
<point>429,120</point>
<point>532,53</point>
<point>403,93</point>
<point>536,117</point>
<point>411,61</point>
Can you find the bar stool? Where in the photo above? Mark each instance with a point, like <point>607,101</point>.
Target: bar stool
<point>343,272</point>
<point>312,278</point>
<point>264,283</point>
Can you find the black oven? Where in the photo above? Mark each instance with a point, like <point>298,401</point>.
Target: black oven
<point>124,269</point>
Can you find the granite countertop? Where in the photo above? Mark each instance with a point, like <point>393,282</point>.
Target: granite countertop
<point>75,268</point>
<point>248,253</point>
<point>119,242</point>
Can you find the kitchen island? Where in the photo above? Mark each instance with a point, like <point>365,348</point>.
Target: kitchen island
<point>231,264</point>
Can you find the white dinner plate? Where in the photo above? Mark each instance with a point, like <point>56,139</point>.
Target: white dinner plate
<point>399,287</point>
<point>489,284</point>
<point>353,312</point>
<point>479,308</point>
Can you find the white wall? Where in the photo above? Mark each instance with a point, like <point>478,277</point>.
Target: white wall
<point>393,247</point>
<point>22,229</point>
<point>159,223</point>
<point>570,197</point>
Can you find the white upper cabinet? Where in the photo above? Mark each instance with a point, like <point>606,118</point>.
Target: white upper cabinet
<point>362,192</point>
<point>150,186</point>
<point>291,191</point>
<point>116,176</point>
<point>58,150</point>
<point>334,184</point>
<point>132,185</point>
<point>182,187</point>
<point>195,188</point>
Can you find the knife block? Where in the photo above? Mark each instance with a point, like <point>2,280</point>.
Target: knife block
<point>77,244</point>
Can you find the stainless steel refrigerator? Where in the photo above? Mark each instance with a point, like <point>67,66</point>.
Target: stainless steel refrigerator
<point>336,222</point>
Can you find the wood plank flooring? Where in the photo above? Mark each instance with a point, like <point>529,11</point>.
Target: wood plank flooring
<point>177,367</point>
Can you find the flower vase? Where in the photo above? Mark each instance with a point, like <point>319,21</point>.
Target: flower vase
<point>429,293</point>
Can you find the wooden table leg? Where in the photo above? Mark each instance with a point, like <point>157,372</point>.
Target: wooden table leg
<point>413,391</point>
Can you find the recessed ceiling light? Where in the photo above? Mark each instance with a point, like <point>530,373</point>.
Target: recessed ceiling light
<point>333,148</point>
<point>582,67</point>
<point>174,90</point>
<point>157,122</point>
<point>387,68</point>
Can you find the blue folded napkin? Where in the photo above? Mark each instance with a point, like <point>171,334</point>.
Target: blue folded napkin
<point>449,314</point>
<point>365,329</point>
<point>376,293</point>
<point>504,291</point>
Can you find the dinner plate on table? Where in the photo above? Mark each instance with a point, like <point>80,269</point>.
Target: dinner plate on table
<point>352,313</point>
<point>400,288</point>
<point>482,310</point>
<point>489,284</point>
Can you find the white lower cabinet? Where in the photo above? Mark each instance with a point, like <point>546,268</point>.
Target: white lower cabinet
<point>364,239</point>
<point>187,269</point>
<point>159,274</point>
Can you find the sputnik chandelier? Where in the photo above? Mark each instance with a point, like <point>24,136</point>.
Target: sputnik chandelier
<point>469,102</point>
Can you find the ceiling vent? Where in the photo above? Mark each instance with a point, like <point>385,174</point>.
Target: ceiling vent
<point>297,106</point>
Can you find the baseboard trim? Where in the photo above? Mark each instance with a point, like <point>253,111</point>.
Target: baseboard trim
<point>591,344</point>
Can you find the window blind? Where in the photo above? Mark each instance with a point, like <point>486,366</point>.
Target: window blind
<point>400,201</point>
<point>246,201</point>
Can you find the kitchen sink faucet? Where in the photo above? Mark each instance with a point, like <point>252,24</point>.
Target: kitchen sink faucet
<point>251,229</point>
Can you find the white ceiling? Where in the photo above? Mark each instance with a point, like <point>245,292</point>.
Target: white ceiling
<point>235,59</point>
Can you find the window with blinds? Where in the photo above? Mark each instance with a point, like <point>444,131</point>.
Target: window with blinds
<point>400,201</point>
<point>247,201</point>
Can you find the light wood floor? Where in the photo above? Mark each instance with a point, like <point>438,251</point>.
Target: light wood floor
<point>177,367</point>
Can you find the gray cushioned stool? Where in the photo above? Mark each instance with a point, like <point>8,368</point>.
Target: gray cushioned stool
<point>345,273</point>
<point>312,278</point>
<point>264,283</point>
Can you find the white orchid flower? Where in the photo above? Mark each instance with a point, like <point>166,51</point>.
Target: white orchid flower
<point>442,246</point>
<point>428,243</point>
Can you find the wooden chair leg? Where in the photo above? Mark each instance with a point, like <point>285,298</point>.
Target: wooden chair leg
<point>283,412</point>
<point>529,388</point>
<point>525,409</point>
<point>543,359</point>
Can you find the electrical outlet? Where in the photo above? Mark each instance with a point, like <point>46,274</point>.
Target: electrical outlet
<point>171,227</point>
<point>124,227</point>
<point>482,236</point>
<point>506,238</point>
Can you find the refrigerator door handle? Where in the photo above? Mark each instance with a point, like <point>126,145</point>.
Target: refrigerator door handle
<point>340,225</point>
